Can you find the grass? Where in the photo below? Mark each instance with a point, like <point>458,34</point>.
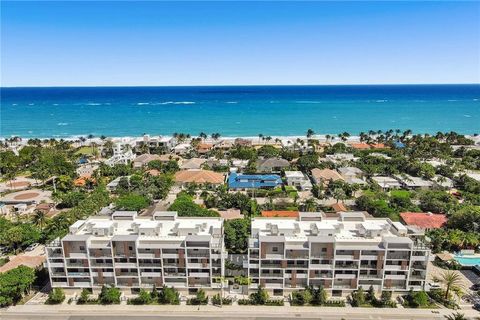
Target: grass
<point>85,150</point>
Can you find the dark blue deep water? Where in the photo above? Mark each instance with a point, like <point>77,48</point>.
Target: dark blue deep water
<point>238,110</point>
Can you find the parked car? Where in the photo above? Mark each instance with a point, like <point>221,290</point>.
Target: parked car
<point>32,247</point>
<point>434,285</point>
<point>476,306</point>
<point>475,287</point>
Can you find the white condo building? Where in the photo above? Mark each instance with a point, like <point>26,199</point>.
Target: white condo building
<point>341,254</point>
<point>134,252</point>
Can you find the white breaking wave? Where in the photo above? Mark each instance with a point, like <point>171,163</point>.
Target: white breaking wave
<point>379,101</point>
<point>94,104</point>
<point>176,102</point>
<point>143,103</point>
<point>308,101</point>
<point>467,116</point>
<point>62,124</point>
<point>232,102</point>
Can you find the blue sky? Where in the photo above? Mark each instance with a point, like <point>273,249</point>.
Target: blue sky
<point>227,43</point>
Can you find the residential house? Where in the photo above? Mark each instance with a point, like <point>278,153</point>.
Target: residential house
<point>253,181</point>
<point>409,182</point>
<point>144,159</point>
<point>298,179</point>
<point>386,183</point>
<point>196,176</point>
<point>122,154</point>
<point>324,176</point>
<point>182,148</point>
<point>272,165</point>
<point>194,163</point>
<point>419,222</point>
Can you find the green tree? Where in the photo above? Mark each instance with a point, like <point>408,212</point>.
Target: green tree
<point>14,284</point>
<point>56,296</point>
<point>451,280</point>
<point>109,295</point>
<point>132,202</point>
<point>236,234</point>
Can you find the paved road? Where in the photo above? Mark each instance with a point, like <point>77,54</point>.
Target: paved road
<point>209,312</point>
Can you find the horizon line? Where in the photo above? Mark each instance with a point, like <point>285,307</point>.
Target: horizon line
<point>240,85</point>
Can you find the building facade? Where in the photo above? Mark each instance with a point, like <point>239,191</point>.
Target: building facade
<point>133,252</point>
<point>340,254</point>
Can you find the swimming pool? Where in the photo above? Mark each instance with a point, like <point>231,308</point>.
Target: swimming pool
<point>468,261</point>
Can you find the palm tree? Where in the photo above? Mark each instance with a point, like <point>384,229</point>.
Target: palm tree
<point>39,217</point>
<point>456,316</point>
<point>310,133</point>
<point>203,135</point>
<point>451,280</point>
<point>309,205</point>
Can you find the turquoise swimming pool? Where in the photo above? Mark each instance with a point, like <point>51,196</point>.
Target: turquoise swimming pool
<point>468,261</point>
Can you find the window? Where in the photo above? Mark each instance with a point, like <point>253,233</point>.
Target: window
<point>82,248</point>
<point>130,248</point>
<point>274,249</point>
<point>324,249</point>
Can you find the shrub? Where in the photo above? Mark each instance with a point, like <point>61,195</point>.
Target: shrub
<point>144,297</point>
<point>244,302</point>
<point>300,298</point>
<point>56,296</point>
<point>216,300</point>
<point>169,296</point>
<point>85,298</point>
<point>260,297</point>
<point>274,302</point>
<point>200,299</point>
<point>334,303</point>
<point>357,298</point>
<point>109,295</point>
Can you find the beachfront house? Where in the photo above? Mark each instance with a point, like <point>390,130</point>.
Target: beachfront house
<point>298,179</point>
<point>253,181</point>
<point>122,154</point>
<point>155,143</point>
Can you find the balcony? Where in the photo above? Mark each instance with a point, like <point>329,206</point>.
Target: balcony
<point>170,255</point>
<point>272,256</point>
<point>147,256</point>
<point>321,266</point>
<point>56,264</point>
<point>125,265</point>
<point>368,257</point>
<point>348,257</point>
<point>346,266</point>
<point>104,274</point>
<point>151,274</point>
<point>345,276</point>
<point>81,284</point>
<point>78,274</point>
<point>176,284</point>
<point>393,267</point>
<point>59,284</point>
<point>419,258</point>
<point>77,255</point>
<point>396,276</point>
<point>199,274</point>
<point>174,274</point>
<point>101,264</point>
<point>272,275</point>
<point>273,285</point>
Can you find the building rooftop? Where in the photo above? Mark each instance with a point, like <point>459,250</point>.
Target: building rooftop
<point>199,177</point>
<point>244,181</point>
<point>279,213</point>
<point>349,227</point>
<point>424,220</point>
<point>160,226</point>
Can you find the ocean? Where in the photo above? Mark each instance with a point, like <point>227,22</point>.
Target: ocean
<point>237,110</point>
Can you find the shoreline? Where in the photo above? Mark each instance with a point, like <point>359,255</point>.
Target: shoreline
<point>209,139</point>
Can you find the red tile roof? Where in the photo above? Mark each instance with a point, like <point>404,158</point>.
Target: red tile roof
<point>279,213</point>
<point>424,220</point>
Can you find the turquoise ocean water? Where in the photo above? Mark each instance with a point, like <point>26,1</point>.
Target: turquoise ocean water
<point>237,110</point>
